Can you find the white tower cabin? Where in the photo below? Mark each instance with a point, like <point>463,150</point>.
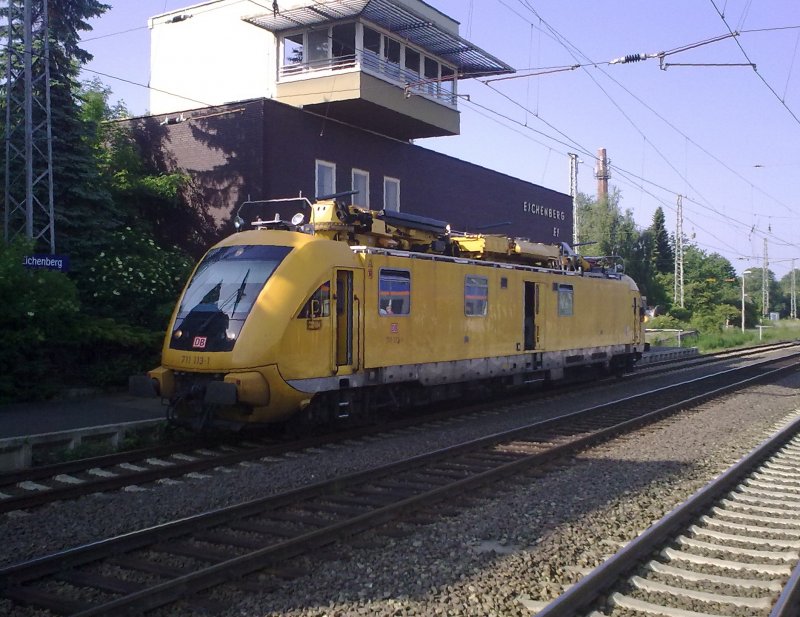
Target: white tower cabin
<point>390,66</point>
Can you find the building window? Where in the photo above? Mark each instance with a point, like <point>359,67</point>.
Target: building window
<point>391,56</point>
<point>565,300</point>
<point>448,83</point>
<point>431,76</point>
<point>343,41</point>
<point>293,53</point>
<point>412,60</point>
<point>391,194</point>
<point>361,185</point>
<point>372,41</point>
<point>325,179</point>
<point>394,292</point>
<point>319,42</point>
<point>476,295</point>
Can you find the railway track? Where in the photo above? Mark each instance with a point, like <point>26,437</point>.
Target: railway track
<point>156,566</point>
<point>719,356</point>
<point>39,486</point>
<point>732,549</point>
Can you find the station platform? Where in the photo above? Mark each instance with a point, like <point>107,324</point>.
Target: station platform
<point>81,411</point>
<point>36,430</point>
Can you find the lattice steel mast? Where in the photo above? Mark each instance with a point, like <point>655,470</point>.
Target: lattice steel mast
<point>765,283</point>
<point>793,309</point>
<point>677,295</point>
<point>28,196</point>
<point>573,191</point>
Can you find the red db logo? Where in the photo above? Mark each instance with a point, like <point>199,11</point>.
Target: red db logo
<point>199,342</point>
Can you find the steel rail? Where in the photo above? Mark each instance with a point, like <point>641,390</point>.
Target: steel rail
<point>182,467</point>
<point>587,591</point>
<point>13,577</point>
<point>179,468</point>
<point>788,603</point>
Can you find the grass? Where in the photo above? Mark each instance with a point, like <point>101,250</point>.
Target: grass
<point>159,434</point>
<point>734,337</point>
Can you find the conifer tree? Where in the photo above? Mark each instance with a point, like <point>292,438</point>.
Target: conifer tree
<point>81,205</point>
<point>663,255</point>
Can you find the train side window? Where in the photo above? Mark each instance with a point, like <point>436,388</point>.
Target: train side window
<point>476,295</point>
<point>319,304</point>
<point>394,292</point>
<point>565,300</point>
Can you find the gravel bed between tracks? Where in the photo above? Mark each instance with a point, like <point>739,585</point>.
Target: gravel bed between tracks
<point>526,540</point>
<point>529,539</point>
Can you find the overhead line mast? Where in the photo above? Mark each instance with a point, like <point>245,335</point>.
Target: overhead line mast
<point>765,283</point>
<point>678,291</point>
<point>573,191</point>
<point>793,310</point>
<point>28,191</point>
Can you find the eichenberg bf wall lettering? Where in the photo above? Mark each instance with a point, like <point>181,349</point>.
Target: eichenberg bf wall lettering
<point>543,211</point>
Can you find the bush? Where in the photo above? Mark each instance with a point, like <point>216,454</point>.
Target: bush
<point>681,314</point>
<point>715,320</point>
<point>134,280</point>
<point>665,322</point>
<point>38,306</point>
<point>49,344</point>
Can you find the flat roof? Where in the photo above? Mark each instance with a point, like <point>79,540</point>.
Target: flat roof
<point>469,59</point>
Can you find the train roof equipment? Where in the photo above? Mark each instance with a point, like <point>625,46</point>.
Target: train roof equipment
<point>331,217</point>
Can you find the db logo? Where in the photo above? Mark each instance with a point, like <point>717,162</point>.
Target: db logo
<point>199,342</point>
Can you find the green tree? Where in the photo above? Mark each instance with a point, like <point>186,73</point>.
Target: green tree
<point>754,285</point>
<point>711,289</point>
<point>785,290</point>
<point>663,257</point>
<point>132,276</point>
<point>607,230</point>
<point>80,203</point>
<point>599,223</point>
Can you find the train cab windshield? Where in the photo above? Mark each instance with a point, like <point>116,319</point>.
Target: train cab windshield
<point>221,294</point>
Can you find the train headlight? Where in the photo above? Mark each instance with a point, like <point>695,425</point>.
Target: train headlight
<point>178,333</point>
<point>230,335</point>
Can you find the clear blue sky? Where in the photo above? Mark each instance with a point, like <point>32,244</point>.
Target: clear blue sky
<point>724,137</point>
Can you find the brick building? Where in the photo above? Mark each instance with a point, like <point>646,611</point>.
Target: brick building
<point>324,97</point>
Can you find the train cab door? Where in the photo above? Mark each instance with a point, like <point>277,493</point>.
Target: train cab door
<point>638,311</point>
<point>347,320</point>
<point>530,308</point>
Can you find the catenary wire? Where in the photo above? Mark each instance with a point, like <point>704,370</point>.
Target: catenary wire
<point>570,47</point>
<point>568,145</point>
<point>760,76</point>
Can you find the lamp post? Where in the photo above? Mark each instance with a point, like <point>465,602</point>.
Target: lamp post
<point>745,273</point>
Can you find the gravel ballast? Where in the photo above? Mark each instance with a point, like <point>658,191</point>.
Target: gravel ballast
<point>507,549</point>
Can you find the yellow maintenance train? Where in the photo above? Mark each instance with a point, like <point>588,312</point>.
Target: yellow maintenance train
<point>344,311</point>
